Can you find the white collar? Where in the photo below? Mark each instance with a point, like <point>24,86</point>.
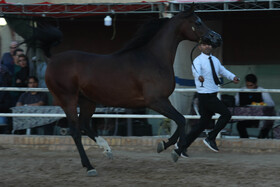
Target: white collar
<point>205,56</point>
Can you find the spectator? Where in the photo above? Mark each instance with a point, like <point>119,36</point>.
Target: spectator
<point>8,59</point>
<point>5,100</point>
<point>23,73</point>
<point>5,76</point>
<point>16,55</point>
<point>33,98</point>
<point>247,98</point>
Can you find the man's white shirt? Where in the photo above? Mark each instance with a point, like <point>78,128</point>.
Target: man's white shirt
<point>203,68</point>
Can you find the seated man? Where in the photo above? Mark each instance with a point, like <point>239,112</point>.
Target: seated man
<point>33,98</point>
<point>247,98</point>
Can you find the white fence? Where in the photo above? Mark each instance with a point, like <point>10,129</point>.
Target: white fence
<point>142,116</point>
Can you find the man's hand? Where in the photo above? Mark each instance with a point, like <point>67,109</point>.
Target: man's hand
<point>236,80</point>
<point>201,78</point>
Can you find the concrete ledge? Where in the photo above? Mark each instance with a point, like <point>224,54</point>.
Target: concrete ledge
<point>67,143</point>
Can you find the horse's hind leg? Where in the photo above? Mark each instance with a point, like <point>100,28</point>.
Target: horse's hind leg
<point>72,117</point>
<point>164,107</point>
<point>87,109</point>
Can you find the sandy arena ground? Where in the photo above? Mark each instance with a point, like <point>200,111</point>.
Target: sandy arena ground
<point>27,167</point>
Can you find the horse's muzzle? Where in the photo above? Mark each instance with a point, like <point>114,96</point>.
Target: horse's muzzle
<point>212,38</point>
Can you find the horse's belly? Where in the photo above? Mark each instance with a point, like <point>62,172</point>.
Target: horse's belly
<point>117,98</point>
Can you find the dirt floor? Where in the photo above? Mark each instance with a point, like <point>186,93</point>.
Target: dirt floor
<point>137,167</point>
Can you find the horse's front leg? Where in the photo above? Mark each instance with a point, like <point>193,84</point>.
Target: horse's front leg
<point>76,135</point>
<point>164,107</point>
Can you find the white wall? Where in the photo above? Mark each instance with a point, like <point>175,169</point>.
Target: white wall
<point>7,35</point>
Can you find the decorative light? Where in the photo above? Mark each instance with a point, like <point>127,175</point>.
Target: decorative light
<point>108,21</point>
<point>3,22</point>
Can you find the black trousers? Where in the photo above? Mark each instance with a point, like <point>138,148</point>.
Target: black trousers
<point>243,125</point>
<point>208,105</point>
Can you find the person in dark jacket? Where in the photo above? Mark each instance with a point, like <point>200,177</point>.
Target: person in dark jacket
<point>5,100</point>
<point>23,73</point>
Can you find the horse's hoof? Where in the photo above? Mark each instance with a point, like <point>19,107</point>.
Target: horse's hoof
<point>160,147</point>
<point>109,154</point>
<point>92,173</point>
<point>174,156</point>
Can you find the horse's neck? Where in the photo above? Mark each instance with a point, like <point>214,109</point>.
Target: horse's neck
<point>166,41</point>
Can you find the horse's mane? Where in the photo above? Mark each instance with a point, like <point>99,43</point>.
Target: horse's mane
<point>144,34</point>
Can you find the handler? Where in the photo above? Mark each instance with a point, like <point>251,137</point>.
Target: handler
<point>205,70</point>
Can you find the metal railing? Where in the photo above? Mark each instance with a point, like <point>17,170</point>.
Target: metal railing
<point>143,116</point>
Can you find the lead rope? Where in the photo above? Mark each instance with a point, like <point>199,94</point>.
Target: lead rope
<point>191,56</point>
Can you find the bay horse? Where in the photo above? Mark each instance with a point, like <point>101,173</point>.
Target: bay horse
<point>139,75</point>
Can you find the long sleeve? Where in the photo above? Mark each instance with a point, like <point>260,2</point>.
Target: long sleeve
<point>237,99</point>
<point>225,73</point>
<point>196,70</point>
<point>267,98</point>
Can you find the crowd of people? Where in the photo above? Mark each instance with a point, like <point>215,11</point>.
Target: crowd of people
<point>14,72</point>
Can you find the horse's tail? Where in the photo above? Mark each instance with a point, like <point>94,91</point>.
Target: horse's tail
<point>45,37</point>
<point>38,35</point>
<point>48,36</point>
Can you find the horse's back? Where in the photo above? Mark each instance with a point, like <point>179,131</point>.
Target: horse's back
<point>70,57</point>
<point>70,62</point>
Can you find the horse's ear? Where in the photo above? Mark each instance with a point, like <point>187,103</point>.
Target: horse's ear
<point>189,11</point>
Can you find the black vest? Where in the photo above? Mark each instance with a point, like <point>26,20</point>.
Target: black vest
<point>246,98</point>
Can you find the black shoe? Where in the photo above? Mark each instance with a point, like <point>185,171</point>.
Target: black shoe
<point>211,144</point>
<point>184,152</point>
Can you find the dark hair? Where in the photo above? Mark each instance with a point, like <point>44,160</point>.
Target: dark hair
<point>24,56</point>
<point>251,78</point>
<point>16,50</point>
<point>34,78</point>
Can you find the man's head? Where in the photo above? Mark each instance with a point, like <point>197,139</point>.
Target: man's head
<point>205,48</point>
<point>13,46</point>
<point>22,60</point>
<point>251,81</point>
<point>16,54</point>
<point>32,82</point>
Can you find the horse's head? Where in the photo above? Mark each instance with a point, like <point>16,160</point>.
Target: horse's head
<point>194,29</point>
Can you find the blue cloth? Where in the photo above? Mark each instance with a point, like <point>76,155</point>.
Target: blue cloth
<point>5,76</point>
<point>8,61</point>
